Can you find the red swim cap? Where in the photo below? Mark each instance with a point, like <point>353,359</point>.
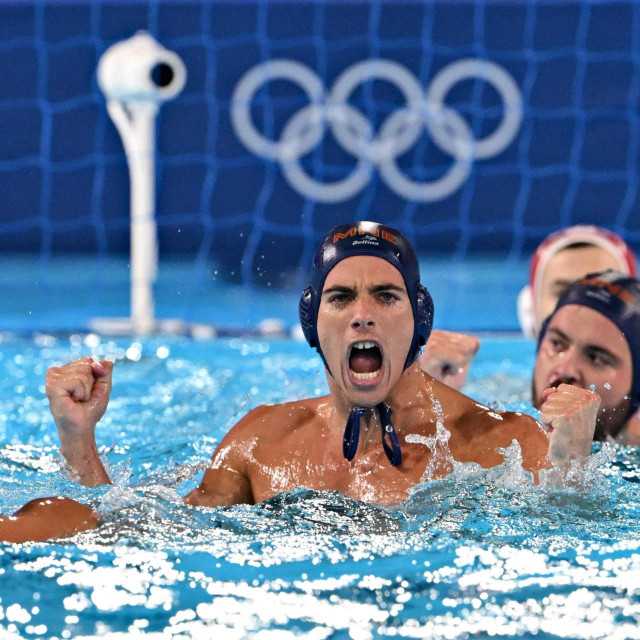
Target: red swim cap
<point>612,243</point>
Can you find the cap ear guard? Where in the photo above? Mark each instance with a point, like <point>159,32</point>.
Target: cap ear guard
<point>305,311</point>
<point>525,312</point>
<point>424,314</point>
<point>423,310</point>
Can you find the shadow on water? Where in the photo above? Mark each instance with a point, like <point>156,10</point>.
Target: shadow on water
<point>155,516</point>
<point>327,512</point>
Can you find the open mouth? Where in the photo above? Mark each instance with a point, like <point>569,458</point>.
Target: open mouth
<point>556,382</point>
<point>365,360</point>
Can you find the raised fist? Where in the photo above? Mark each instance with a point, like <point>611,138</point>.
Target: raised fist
<point>569,414</point>
<point>448,356</point>
<point>78,395</point>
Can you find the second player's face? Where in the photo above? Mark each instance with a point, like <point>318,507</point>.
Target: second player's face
<point>584,348</point>
<point>564,268</point>
<point>365,327</point>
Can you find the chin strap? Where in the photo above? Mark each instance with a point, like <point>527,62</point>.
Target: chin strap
<point>352,434</point>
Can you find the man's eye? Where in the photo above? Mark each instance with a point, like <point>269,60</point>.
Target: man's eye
<point>556,344</point>
<point>387,296</point>
<point>599,360</point>
<point>339,298</point>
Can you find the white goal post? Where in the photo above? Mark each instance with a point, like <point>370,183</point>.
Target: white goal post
<point>136,76</point>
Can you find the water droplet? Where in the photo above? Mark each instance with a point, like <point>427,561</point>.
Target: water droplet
<point>592,387</point>
<point>162,352</point>
<point>607,385</point>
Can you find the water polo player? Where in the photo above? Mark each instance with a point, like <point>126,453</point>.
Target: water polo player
<point>592,339</point>
<point>368,315</point>
<point>563,257</point>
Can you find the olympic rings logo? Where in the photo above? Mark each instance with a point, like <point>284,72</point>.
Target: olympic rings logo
<point>396,135</point>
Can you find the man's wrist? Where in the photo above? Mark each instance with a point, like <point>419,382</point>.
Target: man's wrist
<point>84,461</point>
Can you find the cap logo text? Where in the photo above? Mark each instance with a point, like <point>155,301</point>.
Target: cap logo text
<point>389,237</point>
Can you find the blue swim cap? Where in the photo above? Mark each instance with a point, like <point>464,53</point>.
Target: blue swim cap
<point>616,296</point>
<point>367,239</point>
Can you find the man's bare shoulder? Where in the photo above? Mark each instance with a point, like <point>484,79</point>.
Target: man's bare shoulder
<point>256,442</point>
<point>477,431</point>
<point>274,420</point>
<point>485,429</point>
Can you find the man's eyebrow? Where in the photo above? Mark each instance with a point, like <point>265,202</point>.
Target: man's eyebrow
<point>338,288</point>
<point>601,351</point>
<point>378,288</point>
<point>559,334</point>
<point>560,282</point>
<point>386,287</point>
<point>591,348</point>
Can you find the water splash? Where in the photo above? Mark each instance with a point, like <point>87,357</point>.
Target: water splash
<point>441,461</point>
<point>472,554</point>
<point>510,474</point>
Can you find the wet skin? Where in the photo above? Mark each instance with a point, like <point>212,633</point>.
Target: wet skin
<point>365,327</point>
<point>279,447</point>
<point>47,518</point>
<point>364,301</point>
<point>582,347</point>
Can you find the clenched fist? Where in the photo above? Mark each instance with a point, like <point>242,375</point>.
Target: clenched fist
<point>78,394</point>
<point>448,356</point>
<point>569,415</point>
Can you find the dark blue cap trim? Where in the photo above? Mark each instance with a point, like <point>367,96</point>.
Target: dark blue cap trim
<point>367,239</point>
<point>352,433</point>
<point>391,448</point>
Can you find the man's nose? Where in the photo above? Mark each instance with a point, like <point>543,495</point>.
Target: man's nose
<point>568,368</point>
<point>363,316</point>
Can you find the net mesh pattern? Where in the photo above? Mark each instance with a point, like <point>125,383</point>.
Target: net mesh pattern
<point>574,157</point>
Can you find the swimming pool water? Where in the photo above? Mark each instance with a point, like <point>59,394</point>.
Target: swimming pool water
<point>479,554</point>
<point>35,293</point>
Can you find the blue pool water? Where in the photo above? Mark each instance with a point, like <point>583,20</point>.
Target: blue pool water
<point>66,292</point>
<point>479,554</point>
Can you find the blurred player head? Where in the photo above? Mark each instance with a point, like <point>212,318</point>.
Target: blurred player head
<point>592,340</point>
<point>562,258</point>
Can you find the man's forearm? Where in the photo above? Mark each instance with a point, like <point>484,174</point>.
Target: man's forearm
<point>84,462</point>
<point>78,396</point>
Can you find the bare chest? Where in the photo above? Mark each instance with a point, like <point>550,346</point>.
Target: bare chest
<point>369,477</point>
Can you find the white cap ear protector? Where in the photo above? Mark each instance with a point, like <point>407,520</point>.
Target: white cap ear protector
<point>526,317</point>
<point>529,296</point>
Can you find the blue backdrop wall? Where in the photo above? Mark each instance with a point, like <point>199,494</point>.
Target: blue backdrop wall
<point>368,113</point>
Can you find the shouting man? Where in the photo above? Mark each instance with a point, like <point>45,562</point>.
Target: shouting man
<point>367,314</point>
